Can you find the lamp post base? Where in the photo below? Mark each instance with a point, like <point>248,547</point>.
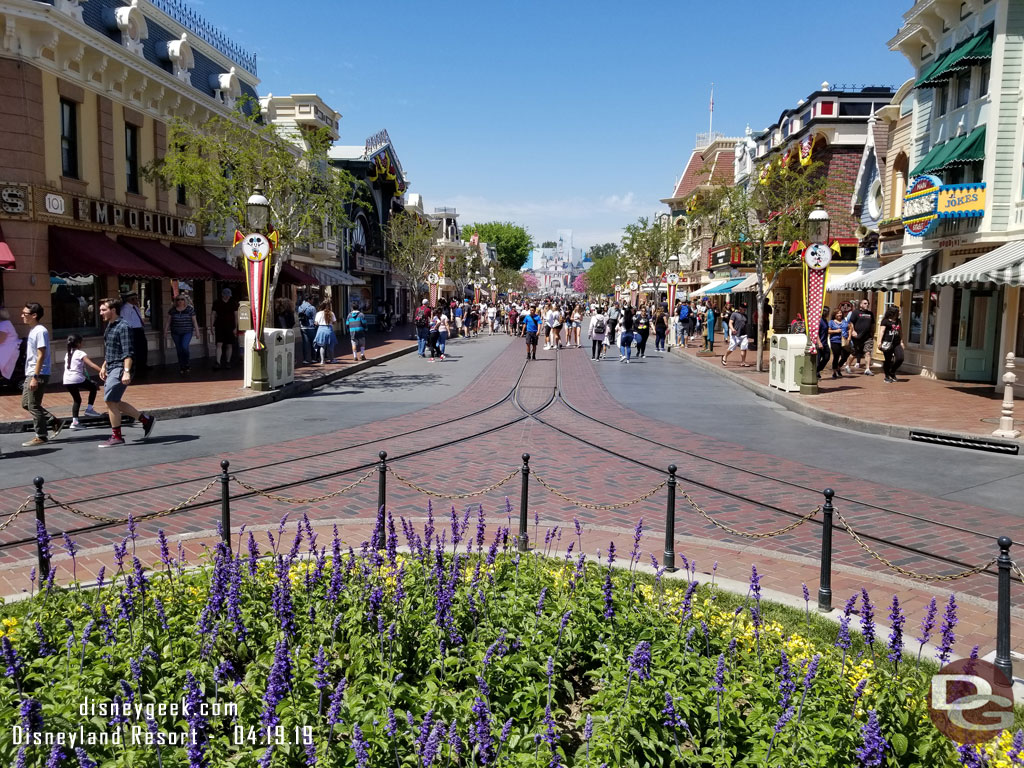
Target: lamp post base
<point>809,379</point>
<point>260,382</point>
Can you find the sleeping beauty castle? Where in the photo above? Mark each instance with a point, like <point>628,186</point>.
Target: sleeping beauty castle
<point>556,268</point>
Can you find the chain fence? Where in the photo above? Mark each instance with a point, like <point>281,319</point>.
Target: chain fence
<point>437,495</point>
<point>744,534</point>
<point>601,507</point>
<point>145,516</point>
<point>11,518</point>
<point>293,500</point>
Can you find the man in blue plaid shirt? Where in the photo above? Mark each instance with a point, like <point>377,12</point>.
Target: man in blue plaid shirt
<point>116,372</point>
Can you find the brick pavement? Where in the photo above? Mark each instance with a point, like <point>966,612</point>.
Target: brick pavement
<point>916,402</point>
<point>448,458</point>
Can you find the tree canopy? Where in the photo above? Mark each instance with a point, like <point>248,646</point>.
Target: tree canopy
<point>409,247</point>
<point>549,244</point>
<point>603,250</point>
<point>512,241</point>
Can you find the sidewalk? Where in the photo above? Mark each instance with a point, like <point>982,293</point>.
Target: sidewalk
<point>169,395</point>
<point>868,404</point>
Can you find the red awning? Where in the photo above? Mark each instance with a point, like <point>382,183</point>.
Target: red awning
<point>295,276</point>
<point>170,263</point>
<point>6,255</point>
<point>75,252</point>
<point>219,268</point>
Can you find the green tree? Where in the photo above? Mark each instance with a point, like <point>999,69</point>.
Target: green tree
<point>409,245</point>
<point>601,251</point>
<point>601,276</point>
<point>221,162</point>
<point>647,246</point>
<point>549,244</point>
<point>512,241</point>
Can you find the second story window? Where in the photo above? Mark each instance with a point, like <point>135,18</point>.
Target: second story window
<point>963,88</point>
<point>69,139</point>
<point>986,73</point>
<point>131,158</point>
<point>940,99</point>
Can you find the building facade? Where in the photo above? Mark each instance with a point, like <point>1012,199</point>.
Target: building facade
<point>88,92</point>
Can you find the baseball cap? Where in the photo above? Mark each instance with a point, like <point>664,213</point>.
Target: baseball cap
<point>425,302</point>
<point>225,292</point>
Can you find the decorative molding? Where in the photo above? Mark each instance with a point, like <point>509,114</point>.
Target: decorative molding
<point>72,8</point>
<point>179,52</point>
<point>227,88</point>
<point>131,23</point>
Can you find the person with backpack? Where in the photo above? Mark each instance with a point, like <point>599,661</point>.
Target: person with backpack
<point>597,332</point>
<point>422,322</point>
<point>531,327</point>
<point>356,323</point>
<point>683,323</point>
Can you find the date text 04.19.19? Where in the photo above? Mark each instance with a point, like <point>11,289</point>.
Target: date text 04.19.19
<point>277,735</point>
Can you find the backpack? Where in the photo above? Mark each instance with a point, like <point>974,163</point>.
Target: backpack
<point>355,323</point>
<point>599,326</point>
<point>421,318</point>
<point>684,312</point>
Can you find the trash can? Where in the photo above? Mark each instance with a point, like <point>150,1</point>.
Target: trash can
<point>786,361</point>
<point>280,345</point>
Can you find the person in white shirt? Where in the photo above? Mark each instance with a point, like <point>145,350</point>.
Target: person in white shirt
<point>9,345</point>
<point>76,378</point>
<point>597,332</point>
<point>492,314</point>
<point>37,374</point>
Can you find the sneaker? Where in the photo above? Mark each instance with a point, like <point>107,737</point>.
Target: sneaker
<point>869,372</point>
<point>90,411</point>
<point>363,357</point>
<point>626,361</point>
<point>74,424</point>
<point>111,442</point>
<point>431,360</point>
<point>147,425</point>
<point>35,442</point>
<point>835,374</point>
<point>846,369</point>
<point>442,357</point>
<point>56,425</point>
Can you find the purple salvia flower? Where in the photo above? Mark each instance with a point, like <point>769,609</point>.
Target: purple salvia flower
<point>540,602</point>
<point>611,553</point>
<point>334,712</point>
<point>867,619</point>
<point>755,584</point>
<point>873,744</point>
<point>12,662</point>
<point>718,684</point>
<point>843,637</point>
<point>480,731</point>
<point>161,616</point>
<point>927,625</point>
<point>784,718</point>
<point>609,604</point>
<point>786,684</point>
<point>72,550</point>
<point>56,755</point>
<point>433,745</point>
<point>1016,751</point>
<point>43,540</point>
<point>45,649</point>
<point>672,718</point>
<point>165,553</point>
<point>638,534</point>
<point>320,665</point>
<point>896,622</point>
<point>22,760</point>
<point>949,622</point>
<point>970,756</point>
<point>392,727</point>
<point>83,759</point>
<point>812,671</point>
<point>279,683</point>
<point>361,747</point>
<point>454,742</point>
<point>196,723</point>
<point>31,712</point>
<point>859,691</point>
<point>99,577</point>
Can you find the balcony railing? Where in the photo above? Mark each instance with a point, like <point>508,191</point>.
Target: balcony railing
<point>188,18</point>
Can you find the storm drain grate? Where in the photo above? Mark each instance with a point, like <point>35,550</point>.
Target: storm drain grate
<point>973,443</point>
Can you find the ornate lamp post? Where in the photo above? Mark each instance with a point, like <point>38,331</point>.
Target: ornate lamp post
<point>476,287</point>
<point>816,258</point>
<point>257,247</point>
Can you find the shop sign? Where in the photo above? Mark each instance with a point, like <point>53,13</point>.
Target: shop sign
<point>889,247</point>
<point>920,205</point>
<point>21,201</point>
<point>729,254</point>
<point>959,201</point>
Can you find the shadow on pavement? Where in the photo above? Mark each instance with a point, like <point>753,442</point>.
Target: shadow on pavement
<point>29,453</point>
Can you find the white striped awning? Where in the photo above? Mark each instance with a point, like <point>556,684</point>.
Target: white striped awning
<point>897,275</point>
<point>747,285</point>
<point>839,282</point>
<point>707,287</point>
<point>1003,266</point>
<point>331,276</point>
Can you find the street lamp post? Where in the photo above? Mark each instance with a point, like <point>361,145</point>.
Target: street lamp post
<point>816,258</point>
<point>257,247</point>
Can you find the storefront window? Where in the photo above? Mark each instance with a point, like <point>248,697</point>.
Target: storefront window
<point>954,322</point>
<point>916,317</point>
<point>149,298</point>
<point>1018,348</point>
<point>933,311</point>
<point>73,303</point>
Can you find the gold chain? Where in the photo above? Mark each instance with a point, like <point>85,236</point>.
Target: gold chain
<point>904,571</point>
<point>311,500</point>
<point>735,532</point>
<point>602,507</point>
<point>147,516</point>
<point>481,492</point>
<point>24,505</point>
<point>1020,574</point>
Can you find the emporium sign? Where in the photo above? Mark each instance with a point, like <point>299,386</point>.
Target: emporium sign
<point>22,201</point>
<point>928,200</point>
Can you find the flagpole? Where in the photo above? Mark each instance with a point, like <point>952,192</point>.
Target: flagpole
<point>711,111</point>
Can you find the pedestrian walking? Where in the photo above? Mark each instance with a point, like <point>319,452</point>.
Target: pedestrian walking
<point>492,319</point>
<point>660,329</point>
<point>596,333</point>
<point>132,314</point>
<point>709,328</point>
<point>838,333</point>
<point>433,334</point>
<point>225,324</point>
<point>862,335</point>
<point>738,338</point>
<point>626,335</point>
<point>443,332</point>
<point>76,378</point>
<point>891,343</point>
<point>356,322</point>
<point>181,325</point>
<point>821,342</point>
<point>307,327</point>
<point>10,345</point>
<point>531,322</point>
<point>642,332</point>
<point>325,339</point>
<point>576,325</point>
<point>116,373</point>
<point>513,320</point>
<point>421,319</point>
<point>37,375</point>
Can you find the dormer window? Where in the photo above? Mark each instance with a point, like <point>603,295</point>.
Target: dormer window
<point>179,53</point>
<point>227,88</point>
<point>131,23</point>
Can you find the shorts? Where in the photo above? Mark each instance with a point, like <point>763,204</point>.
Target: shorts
<point>458,322</point>
<point>359,340</point>
<point>862,347</point>
<point>225,335</point>
<point>738,341</point>
<point>531,338</point>
<point>113,388</point>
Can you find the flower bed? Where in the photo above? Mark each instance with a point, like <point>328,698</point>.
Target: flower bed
<point>459,651</point>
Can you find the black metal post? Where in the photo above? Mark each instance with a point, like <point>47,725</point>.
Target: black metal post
<point>1003,662</point>
<point>825,580</point>
<point>382,497</point>
<point>524,498</point>
<point>225,503</point>
<point>669,560</point>
<point>44,558</point>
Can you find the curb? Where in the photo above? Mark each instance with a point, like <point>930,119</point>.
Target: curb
<point>801,408</point>
<point>249,401</point>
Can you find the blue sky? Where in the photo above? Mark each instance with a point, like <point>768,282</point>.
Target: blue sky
<point>558,114</point>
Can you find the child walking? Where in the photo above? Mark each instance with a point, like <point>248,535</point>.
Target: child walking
<point>76,378</point>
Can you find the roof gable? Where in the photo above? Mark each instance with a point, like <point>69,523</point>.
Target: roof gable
<point>715,166</point>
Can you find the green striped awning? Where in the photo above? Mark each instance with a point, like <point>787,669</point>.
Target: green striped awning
<point>960,150</point>
<point>1003,266</point>
<point>971,51</point>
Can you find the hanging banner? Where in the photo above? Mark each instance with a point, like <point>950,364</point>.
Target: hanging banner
<point>816,259</point>
<point>476,293</point>
<point>672,279</point>
<point>432,281</point>
<point>256,248</point>
<point>618,293</point>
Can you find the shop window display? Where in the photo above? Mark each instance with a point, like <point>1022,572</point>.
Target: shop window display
<point>73,304</point>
